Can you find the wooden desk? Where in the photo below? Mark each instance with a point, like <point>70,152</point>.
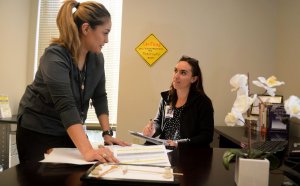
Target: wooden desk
<point>12,120</point>
<point>199,166</point>
<point>232,137</point>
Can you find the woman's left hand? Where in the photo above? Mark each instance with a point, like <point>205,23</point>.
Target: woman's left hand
<point>115,141</point>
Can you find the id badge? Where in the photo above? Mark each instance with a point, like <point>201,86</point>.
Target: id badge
<point>169,112</point>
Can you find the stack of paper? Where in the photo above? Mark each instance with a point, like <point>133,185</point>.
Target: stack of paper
<point>135,154</point>
<point>150,155</point>
<point>65,155</point>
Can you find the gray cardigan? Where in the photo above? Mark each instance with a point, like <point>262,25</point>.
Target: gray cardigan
<point>52,102</point>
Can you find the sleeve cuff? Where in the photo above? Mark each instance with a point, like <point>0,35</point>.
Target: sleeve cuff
<point>70,117</point>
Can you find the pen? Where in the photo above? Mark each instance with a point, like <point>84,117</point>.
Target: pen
<point>182,140</point>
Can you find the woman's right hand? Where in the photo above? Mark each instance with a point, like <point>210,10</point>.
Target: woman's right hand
<point>149,129</point>
<point>103,154</point>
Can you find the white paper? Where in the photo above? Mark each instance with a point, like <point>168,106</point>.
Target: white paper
<point>65,155</point>
<point>276,124</point>
<point>135,154</point>
<point>150,155</point>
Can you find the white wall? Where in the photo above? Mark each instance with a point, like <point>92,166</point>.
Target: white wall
<point>14,37</point>
<point>227,37</point>
<point>288,51</point>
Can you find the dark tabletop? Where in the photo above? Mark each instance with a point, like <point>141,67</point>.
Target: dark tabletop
<point>12,119</point>
<point>199,166</point>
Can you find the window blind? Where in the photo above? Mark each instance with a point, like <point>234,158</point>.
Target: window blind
<point>47,29</point>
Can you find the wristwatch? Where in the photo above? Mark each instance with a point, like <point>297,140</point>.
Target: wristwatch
<point>107,132</point>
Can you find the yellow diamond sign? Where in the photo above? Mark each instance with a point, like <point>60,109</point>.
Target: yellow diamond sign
<point>151,49</point>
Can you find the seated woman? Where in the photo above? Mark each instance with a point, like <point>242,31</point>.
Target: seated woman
<point>185,111</point>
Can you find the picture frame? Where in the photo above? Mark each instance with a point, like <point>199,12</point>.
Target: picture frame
<point>277,99</point>
<point>278,119</point>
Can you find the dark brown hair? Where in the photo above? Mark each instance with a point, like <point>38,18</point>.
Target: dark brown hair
<point>195,86</point>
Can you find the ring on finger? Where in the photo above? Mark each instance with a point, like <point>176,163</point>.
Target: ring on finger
<point>104,155</point>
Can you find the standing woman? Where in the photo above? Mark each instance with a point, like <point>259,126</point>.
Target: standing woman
<point>71,72</point>
<point>185,111</point>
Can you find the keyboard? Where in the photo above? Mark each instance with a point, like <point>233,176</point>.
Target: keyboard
<point>270,146</point>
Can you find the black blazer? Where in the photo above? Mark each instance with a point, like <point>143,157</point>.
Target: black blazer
<point>196,122</point>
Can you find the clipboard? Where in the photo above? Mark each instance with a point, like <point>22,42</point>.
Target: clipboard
<point>156,141</point>
<point>87,178</point>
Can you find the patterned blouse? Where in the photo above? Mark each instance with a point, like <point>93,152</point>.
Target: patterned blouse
<point>172,125</point>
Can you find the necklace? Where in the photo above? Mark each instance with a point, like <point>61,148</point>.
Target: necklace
<point>81,80</point>
<point>82,74</point>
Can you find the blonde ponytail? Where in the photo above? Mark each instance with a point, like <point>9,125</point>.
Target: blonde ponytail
<point>69,36</point>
